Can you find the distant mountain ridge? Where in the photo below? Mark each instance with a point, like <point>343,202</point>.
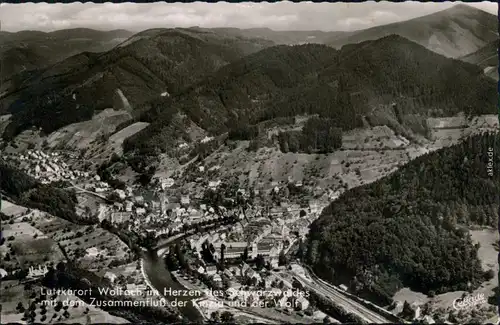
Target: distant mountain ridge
<point>28,50</point>
<point>282,37</point>
<point>34,35</point>
<point>215,79</point>
<point>453,32</point>
<point>151,63</point>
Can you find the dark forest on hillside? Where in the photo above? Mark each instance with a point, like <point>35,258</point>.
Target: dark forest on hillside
<point>390,81</point>
<point>169,61</point>
<point>28,192</point>
<point>407,230</point>
<point>319,135</point>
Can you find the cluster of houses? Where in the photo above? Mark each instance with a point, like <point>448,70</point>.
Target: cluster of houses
<point>94,184</point>
<point>131,208</point>
<point>259,231</point>
<point>259,235</point>
<point>160,214</point>
<point>163,215</point>
<point>206,139</point>
<point>185,215</point>
<point>271,287</point>
<point>47,167</point>
<point>266,234</point>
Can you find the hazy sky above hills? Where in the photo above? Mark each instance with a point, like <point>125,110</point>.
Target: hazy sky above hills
<point>277,16</point>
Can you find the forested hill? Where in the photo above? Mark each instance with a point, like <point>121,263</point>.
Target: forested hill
<point>149,64</point>
<point>390,81</point>
<point>405,230</point>
<point>28,192</point>
<point>28,50</point>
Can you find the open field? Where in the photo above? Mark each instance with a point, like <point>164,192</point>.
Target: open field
<point>95,138</point>
<point>89,137</point>
<point>38,239</point>
<point>56,228</point>
<point>37,252</point>
<point>27,246</point>
<point>12,293</point>
<point>12,209</point>
<point>373,138</point>
<point>488,252</point>
<point>116,140</point>
<point>128,273</point>
<point>88,202</point>
<point>447,131</point>
<point>21,231</point>
<point>95,249</point>
<point>29,139</point>
<point>82,135</point>
<point>351,167</point>
<point>113,144</point>
<point>76,240</point>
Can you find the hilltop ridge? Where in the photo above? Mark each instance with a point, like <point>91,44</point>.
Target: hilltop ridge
<point>139,70</point>
<point>31,50</point>
<point>454,32</point>
<point>391,81</point>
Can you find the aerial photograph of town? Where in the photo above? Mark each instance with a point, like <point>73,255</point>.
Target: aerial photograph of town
<point>243,163</point>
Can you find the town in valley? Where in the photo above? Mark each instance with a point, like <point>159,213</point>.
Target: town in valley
<point>290,177</point>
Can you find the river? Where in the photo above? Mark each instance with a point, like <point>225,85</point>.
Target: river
<point>161,279</point>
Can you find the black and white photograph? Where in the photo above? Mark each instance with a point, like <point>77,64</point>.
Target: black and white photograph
<point>250,162</point>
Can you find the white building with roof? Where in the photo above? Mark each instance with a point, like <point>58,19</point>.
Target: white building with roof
<point>185,200</point>
<point>206,139</point>
<point>120,194</point>
<point>3,273</point>
<point>214,184</point>
<point>128,206</point>
<point>216,278</point>
<point>37,272</point>
<point>302,302</point>
<point>110,276</point>
<point>211,270</point>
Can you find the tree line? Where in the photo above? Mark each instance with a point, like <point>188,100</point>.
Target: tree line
<point>319,135</point>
